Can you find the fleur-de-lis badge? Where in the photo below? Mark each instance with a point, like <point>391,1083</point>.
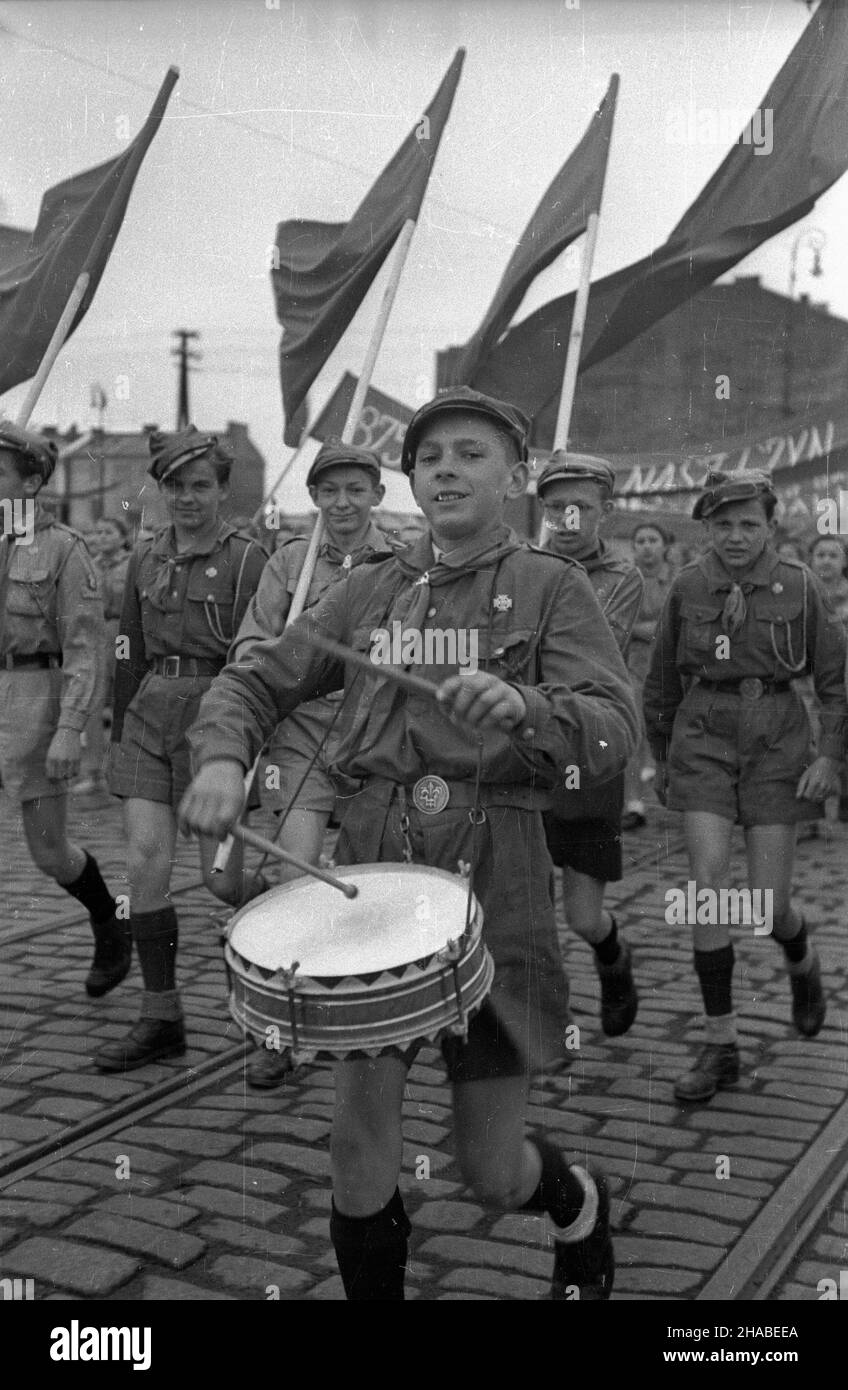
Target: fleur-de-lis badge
<point>502,603</point>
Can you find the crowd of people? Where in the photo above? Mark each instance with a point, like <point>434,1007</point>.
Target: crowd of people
<point>720,684</point>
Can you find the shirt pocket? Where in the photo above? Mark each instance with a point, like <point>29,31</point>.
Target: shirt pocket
<point>511,655</point>
<point>31,593</point>
<point>700,624</point>
<point>778,626</point>
<point>209,607</point>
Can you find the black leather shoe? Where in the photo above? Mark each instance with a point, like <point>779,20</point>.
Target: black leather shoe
<point>112,957</point>
<point>267,1068</point>
<point>717,1068</point>
<point>585,1269</point>
<point>633,820</point>
<point>619,999</point>
<point>147,1041</point>
<point>809,1006</point>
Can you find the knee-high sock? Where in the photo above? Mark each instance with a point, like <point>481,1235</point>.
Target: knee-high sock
<point>560,1192</point>
<point>90,890</point>
<point>155,935</point>
<point>372,1251</point>
<point>715,975</point>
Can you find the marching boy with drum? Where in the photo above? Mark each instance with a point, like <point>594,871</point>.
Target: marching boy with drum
<point>453,780</point>
<point>344,483</point>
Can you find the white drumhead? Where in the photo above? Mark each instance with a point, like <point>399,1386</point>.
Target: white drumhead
<point>401,914</point>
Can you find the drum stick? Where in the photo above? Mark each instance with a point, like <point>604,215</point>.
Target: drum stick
<point>405,678</point>
<point>250,837</point>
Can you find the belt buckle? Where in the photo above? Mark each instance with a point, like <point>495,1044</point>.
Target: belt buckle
<point>430,795</point>
<point>751,688</point>
<point>171,667</point>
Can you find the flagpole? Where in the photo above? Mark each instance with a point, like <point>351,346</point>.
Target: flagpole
<point>122,190</point>
<point>581,304</point>
<point>54,347</point>
<point>358,401</point>
<point>284,471</point>
<point>308,569</point>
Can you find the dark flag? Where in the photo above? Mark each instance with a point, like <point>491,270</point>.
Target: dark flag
<point>78,223</point>
<point>560,219</point>
<point>325,269</point>
<point>793,149</point>
<point>381,425</point>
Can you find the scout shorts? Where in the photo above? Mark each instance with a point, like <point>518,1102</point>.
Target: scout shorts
<point>299,756</point>
<point>740,759</point>
<point>591,847</point>
<point>521,1027</point>
<point>153,759</point>
<point>29,715</point>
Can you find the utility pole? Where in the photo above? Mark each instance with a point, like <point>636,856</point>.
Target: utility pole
<point>184,355</point>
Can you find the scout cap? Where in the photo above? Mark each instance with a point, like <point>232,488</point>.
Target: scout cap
<point>170,451</point>
<point>40,453</point>
<point>731,487</point>
<point>565,466</point>
<point>508,417</point>
<point>334,452</point>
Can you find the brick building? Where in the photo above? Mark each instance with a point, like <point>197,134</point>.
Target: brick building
<point>102,473</point>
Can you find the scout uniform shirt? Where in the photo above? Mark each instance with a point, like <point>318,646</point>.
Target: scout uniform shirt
<point>618,587</point>
<point>530,618</point>
<point>268,609</point>
<point>534,618</point>
<point>50,603</point>
<point>313,725</point>
<point>185,604</point>
<point>788,629</point>
<point>535,621</point>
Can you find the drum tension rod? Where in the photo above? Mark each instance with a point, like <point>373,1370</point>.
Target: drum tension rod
<point>288,979</point>
<point>453,952</point>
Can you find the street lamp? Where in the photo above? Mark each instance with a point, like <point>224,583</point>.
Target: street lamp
<point>815,239</point>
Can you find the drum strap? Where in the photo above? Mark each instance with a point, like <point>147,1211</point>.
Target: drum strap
<point>477,813</point>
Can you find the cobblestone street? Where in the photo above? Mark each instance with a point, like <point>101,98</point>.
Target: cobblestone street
<point>111,1190</point>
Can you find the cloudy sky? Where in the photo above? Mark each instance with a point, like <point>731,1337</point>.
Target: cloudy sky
<point>292,109</point>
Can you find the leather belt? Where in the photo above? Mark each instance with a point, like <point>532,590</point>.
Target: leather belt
<point>748,687</point>
<point>46,660</point>
<point>432,794</point>
<point>173,667</point>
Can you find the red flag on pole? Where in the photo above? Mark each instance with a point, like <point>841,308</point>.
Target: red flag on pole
<point>793,149</point>
<point>78,223</point>
<point>560,218</point>
<point>325,269</point>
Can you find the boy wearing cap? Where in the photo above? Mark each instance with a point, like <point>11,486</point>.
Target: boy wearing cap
<point>732,742</point>
<point>583,827</point>
<point>344,483</point>
<point>51,644</point>
<point>186,592</point>
<point>550,689</point>
<point>651,542</point>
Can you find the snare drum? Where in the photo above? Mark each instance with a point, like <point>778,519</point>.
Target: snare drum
<point>337,977</point>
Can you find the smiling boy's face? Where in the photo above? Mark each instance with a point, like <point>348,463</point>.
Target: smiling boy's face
<point>465,469</point>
